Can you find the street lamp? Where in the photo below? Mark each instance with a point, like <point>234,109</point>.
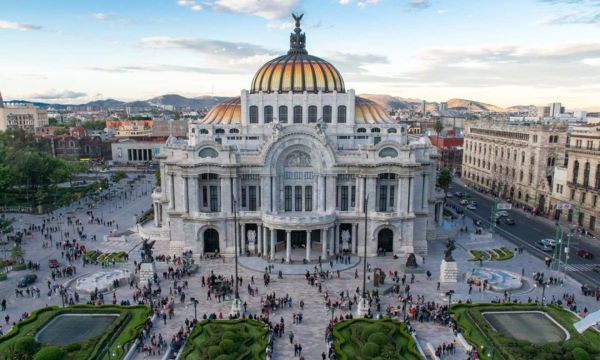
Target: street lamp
<point>449,294</point>
<point>236,307</point>
<point>332,308</point>
<point>195,302</point>
<point>363,304</point>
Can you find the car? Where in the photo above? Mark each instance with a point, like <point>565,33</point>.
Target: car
<point>585,254</point>
<point>501,213</point>
<point>472,207</point>
<point>549,242</point>
<point>464,202</point>
<point>509,221</point>
<point>27,280</point>
<point>596,268</point>
<point>459,193</point>
<point>478,223</point>
<point>449,196</point>
<point>543,246</point>
<point>53,263</point>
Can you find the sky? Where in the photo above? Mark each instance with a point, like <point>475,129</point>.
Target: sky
<point>503,52</point>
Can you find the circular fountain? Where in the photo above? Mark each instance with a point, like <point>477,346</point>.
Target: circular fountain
<point>103,281</point>
<point>497,280</point>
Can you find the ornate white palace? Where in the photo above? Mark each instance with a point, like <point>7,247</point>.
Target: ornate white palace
<point>301,159</point>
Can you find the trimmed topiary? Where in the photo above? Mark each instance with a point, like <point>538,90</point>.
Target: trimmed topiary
<point>25,347</point>
<point>379,338</point>
<point>371,350</point>
<point>370,329</point>
<point>73,347</point>
<point>50,353</point>
<point>230,335</point>
<point>228,346</point>
<point>580,354</point>
<point>214,351</point>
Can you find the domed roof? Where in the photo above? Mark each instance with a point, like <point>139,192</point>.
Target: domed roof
<point>369,112</point>
<point>297,71</point>
<point>227,112</point>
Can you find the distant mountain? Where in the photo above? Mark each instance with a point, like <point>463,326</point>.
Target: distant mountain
<point>107,104</point>
<point>518,108</point>
<point>389,102</point>
<point>184,102</point>
<point>473,106</point>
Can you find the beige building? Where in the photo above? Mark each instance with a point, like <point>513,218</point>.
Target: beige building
<point>575,192</point>
<point>26,117</point>
<point>514,161</point>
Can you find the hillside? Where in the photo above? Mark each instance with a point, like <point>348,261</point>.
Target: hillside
<point>474,106</point>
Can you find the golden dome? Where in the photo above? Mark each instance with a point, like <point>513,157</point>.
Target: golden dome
<point>227,112</point>
<point>297,71</point>
<point>369,112</point>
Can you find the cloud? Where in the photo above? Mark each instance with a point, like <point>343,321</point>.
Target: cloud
<point>268,9</point>
<point>360,3</point>
<point>101,16</point>
<point>191,4</point>
<point>54,94</point>
<point>165,68</point>
<point>419,4</point>
<point>9,25</point>
<point>355,62</point>
<point>576,17</point>
<point>232,52</point>
<point>579,2</point>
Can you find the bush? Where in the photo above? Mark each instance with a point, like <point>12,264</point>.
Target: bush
<point>379,338</point>
<point>73,347</point>
<point>229,335</point>
<point>370,350</point>
<point>224,357</point>
<point>214,351</point>
<point>2,276</point>
<point>370,329</point>
<point>580,354</point>
<point>227,345</point>
<point>19,267</point>
<point>25,347</point>
<point>50,353</point>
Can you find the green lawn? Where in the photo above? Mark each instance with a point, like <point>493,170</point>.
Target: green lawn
<point>362,339</point>
<point>500,254</point>
<point>493,345</point>
<point>120,334</point>
<point>227,340</point>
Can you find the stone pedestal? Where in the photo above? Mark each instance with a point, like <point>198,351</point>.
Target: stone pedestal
<point>236,308</point>
<point>362,310</point>
<point>252,248</point>
<point>147,271</point>
<point>448,272</point>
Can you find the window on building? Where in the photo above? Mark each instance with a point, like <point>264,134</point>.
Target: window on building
<point>586,174</point>
<point>308,198</point>
<point>361,130</point>
<point>288,198</point>
<point>572,194</point>
<point>570,215</point>
<point>353,197</point>
<point>219,131</point>
<point>283,114</point>
<point>297,114</point>
<point>253,114</point>
<point>534,138</point>
<point>214,198</point>
<point>583,196</point>
<point>268,114</point>
<point>580,218</point>
<point>252,198</point>
<point>312,114</point>
<point>382,198</point>
<point>344,198</point>
<point>592,223</point>
<point>523,157</point>
<point>327,113</point>
<point>234,131</point>
<point>575,171</point>
<point>530,178</point>
<point>597,182</point>
<point>375,130</point>
<point>204,196</point>
<point>341,116</point>
<point>244,197</point>
<point>297,198</point>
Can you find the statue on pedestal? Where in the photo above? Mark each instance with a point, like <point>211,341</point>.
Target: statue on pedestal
<point>448,252</point>
<point>378,277</point>
<point>147,251</point>
<point>411,262</point>
<point>346,239</point>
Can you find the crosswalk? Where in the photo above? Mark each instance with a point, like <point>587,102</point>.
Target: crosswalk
<point>580,267</point>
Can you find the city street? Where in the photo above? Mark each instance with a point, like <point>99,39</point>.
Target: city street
<point>529,229</point>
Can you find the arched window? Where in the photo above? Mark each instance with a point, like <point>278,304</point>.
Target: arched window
<point>598,177</point>
<point>375,130</point>
<point>203,131</point>
<point>575,171</point>
<point>253,114</point>
<point>392,130</point>
<point>219,131</point>
<point>312,114</point>
<point>327,113</point>
<point>268,114</point>
<point>586,174</point>
<point>208,152</point>
<point>234,131</point>
<point>283,114</point>
<point>388,152</point>
<point>361,130</point>
<point>297,114</point>
<point>341,116</point>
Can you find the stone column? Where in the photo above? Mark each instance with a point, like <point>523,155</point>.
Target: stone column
<point>323,244</point>
<point>265,237</point>
<point>354,231</point>
<point>259,237</point>
<point>288,245</point>
<point>331,236</point>
<point>371,191</point>
<point>266,193</point>
<point>236,193</point>
<point>411,193</point>
<point>156,214</point>
<point>400,208</point>
<point>225,195</point>
<point>194,195</point>
<point>186,196</point>
<point>171,184</point>
<point>336,242</point>
<point>273,239</point>
<point>330,185</point>
<point>425,198</point>
<point>321,192</point>
<point>243,239</point>
<point>359,195</point>
<point>308,245</point>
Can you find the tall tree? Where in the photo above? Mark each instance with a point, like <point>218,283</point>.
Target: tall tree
<point>444,179</point>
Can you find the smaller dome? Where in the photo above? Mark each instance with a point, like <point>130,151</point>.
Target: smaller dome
<point>227,112</point>
<point>369,112</point>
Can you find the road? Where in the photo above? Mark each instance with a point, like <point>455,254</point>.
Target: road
<point>529,229</point>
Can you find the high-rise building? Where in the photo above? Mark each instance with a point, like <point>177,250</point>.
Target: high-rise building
<point>443,106</point>
<point>514,160</point>
<point>556,109</point>
<point>424,107</point>
<point>26,117</point>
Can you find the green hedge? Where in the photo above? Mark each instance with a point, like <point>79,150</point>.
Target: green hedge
<point>122,332</point>
<point>478,332</point>
<point>227,339</point>
<point>362,339</point>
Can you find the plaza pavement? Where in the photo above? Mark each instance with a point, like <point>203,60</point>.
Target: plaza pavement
<point>316,316</point>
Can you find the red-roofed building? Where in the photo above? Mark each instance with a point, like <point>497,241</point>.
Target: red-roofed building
<point>450,148</point>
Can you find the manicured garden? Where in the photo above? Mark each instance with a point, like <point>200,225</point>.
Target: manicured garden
<point>113,341</point>
<point>362,339</point>
<point>99,257</point>
<point>227,340</point>
<point>493,345</point>
<point>500,254</point>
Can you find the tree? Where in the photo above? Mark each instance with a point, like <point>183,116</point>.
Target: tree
<point>52,121</point>
<point>438,127</point>
<point>444,179</point>
<point>17,252</point>
<point>60,131</point>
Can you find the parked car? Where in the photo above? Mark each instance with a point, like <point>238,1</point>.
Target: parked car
<point>464,202</point>
<point>53,263</point>
<point>549,242</point>
<point>544,246</point>
<point>478,223</point>
<point>509,221</point>
<point>596,268</point>
<point>449,196</point>
<point>459,193</point>
<point>472,207</point>
<point>585,254</point>
<point>27,280</point>
<point>502,213</point>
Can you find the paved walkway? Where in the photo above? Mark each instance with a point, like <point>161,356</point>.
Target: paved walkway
<point>431,335</point>
<point>260,264</point>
